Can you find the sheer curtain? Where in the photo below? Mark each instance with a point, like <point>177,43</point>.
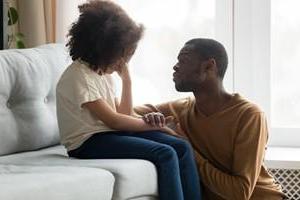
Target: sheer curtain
<point>37,21</point>
<point>44,21</point>
<point>66,14</point>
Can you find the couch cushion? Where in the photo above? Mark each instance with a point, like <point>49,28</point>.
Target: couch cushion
<point>133,178</point>
<point>28,79</point>
<point>67,183</point>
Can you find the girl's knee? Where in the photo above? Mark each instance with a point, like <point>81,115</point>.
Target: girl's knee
<point>164,153</point>
<point>182,144</point>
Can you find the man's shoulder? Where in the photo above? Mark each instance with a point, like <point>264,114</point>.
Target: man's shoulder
<point>246,105</point>
<point>182,103</point>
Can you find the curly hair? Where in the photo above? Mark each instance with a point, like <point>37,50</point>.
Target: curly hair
<point>102,34</point>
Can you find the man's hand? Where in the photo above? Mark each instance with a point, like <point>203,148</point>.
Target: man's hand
<point>179,130</point>
<point>169,131</point>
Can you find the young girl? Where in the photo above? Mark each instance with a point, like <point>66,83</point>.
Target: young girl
<point>93,124</point>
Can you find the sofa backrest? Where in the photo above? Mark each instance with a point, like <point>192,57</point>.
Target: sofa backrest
<point>28,79</point>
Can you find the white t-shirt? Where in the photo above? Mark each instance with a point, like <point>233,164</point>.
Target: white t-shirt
<point>80,84</point>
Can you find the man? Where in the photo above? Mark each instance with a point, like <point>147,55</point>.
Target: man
<point>228,133</point>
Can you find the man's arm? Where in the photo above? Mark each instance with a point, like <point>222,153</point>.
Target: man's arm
<point>171,108</point>
<point>249,150</point>
<point>163,108</point>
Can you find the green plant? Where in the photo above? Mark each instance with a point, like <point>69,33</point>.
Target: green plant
<point>13,36</point>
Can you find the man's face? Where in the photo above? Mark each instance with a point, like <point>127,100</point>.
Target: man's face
<point>188,70</point>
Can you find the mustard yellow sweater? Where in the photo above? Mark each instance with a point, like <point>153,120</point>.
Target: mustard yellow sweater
<point>229,148</point>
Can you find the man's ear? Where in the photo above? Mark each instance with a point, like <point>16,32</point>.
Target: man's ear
<point>211,66</point>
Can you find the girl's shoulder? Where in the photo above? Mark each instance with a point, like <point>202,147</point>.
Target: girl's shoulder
<point>76,72</point>
<point>81,69</point>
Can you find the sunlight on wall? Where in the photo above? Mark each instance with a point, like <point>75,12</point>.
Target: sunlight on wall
<point>168,26</point>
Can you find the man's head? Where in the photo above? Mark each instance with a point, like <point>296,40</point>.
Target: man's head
<point>200,62</point>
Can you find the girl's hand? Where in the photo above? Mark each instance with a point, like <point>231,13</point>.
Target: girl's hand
<point>155,119</point>
<point>123,71</point>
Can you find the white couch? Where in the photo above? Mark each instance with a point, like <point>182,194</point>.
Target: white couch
<point>32,163</point>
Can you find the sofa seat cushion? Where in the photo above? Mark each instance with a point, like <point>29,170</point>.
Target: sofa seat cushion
<point>68,183</point>
<point>133,177</point>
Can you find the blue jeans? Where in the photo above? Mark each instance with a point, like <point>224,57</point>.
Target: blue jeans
<point>173,157</point>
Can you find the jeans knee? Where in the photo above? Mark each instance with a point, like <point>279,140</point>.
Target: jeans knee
<point>165,153</point>
<point>183,147</point>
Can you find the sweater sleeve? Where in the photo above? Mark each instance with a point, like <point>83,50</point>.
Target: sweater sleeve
<point>144,109</point>
<point>248,155</point>
<point>172,108</point>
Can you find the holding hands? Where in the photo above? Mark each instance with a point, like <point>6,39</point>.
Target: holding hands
<point>159,120</point>
<point>155,119</point>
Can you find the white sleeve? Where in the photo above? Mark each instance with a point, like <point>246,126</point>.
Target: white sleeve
<point>86,90</point>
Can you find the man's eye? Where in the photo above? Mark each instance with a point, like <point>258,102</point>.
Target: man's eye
<point>182,61</point>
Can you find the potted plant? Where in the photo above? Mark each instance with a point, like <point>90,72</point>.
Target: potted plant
<point>14,37</point>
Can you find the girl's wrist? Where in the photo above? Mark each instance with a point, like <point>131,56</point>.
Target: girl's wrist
<point>126,79</point>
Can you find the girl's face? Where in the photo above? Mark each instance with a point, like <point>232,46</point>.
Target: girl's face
<point>121,62</point>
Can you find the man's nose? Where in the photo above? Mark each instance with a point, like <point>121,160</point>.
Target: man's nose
<point>175,67</point>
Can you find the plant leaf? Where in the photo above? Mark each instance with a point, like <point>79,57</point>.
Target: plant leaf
<point>20,44</point>
<point>12,16</point>
<point>19,36</point>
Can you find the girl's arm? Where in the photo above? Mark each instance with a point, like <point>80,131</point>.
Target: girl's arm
<point>125,105</point>
<point>118,121</point>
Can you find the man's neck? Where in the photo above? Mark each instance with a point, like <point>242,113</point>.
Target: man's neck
<point>211,101</point>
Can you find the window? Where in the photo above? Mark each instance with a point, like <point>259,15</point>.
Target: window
<point>266,53</point>
<point>285,63</point>
<point>168,26</point>
<point>285,87</point>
